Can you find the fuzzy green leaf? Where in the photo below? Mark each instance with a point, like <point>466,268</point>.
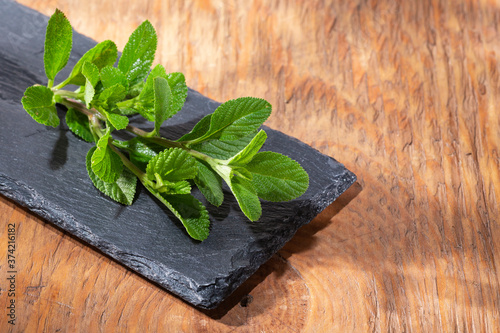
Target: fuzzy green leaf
<point>198,130</point>
<point>247,198</point>
<point>237,118</point>
<point>209,183</point>
<point>189,211</point>
<point>122,190</point>
<point>111,75</point>
<point>177,83</point>
<point>127,111</point>
<point>139,53</point>
<point>182,187</point>
<point>173,164</point>
<point>166,187</point>
<point>147,93</point>
<point>111,95</point>
<point>141,151</point>
<point>178,88</point>
<point>246,155</point>
<point>102,55</point>
<point>135,89</point>
<point>145,112</point>
<point>277,177</point>
<point>91,74</point>
<point>223,149</point>
<point>78,123</point>
<point>119,122</point>
<point>163,102</point>
<point>38,102</point>
<point>105,163</point>
<point>58,42</point>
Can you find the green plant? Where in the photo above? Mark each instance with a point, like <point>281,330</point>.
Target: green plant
<point>222,146</point>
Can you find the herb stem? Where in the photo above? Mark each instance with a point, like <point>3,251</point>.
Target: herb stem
<point>166,143</point>
<point>199,155</point>
<point>67,93</point>
<point>95,127</point>
<point>69,103</point>
<point>135,130</point>
<point>61,85</point>
<point>126,104</point>
<point>132,129</point>
<point>131,166</point>
<point>138,172</point>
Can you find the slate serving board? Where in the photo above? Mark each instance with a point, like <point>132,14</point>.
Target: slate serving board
<point>43,169</point>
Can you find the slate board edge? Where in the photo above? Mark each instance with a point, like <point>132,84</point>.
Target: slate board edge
<point>27,197</point>
<point>167,278</point>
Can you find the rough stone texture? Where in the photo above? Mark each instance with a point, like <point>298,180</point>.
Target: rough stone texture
<point>43,169</point>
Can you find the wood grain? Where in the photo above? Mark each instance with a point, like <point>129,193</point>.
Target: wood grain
<point>404,93</point>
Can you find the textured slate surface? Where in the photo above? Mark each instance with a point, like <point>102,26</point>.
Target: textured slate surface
<point>43,169</point>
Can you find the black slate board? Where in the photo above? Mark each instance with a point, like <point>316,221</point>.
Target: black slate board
<point>43,169</point>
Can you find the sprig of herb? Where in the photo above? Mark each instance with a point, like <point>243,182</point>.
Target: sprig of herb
<point>222,146</point>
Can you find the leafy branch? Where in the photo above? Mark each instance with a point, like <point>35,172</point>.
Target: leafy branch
<point>222,146</point>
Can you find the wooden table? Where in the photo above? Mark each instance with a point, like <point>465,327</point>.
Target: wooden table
<point>404,93</point>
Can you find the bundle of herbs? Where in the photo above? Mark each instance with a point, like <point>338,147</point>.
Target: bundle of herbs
<point>222,146</point>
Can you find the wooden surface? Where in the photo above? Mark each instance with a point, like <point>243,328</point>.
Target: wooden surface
<point>404,93</point>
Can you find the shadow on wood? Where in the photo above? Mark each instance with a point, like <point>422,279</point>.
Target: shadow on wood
<point>305,238</point>
<point>236,305</point>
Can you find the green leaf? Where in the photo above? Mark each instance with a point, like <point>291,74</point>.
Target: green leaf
<point>119,122</point>
<point>237,118</point>
<point>140,151</point>
<point>246,155</point>
<point>135,89</point>
<point>173,164</point>
<point>111,75</point>
<point>166,187</point>
<point>127,111</point>
<point>91,74</point>
<point>182,187</point>
<point>189,211</point>
<point>240,183</point>
<point>242,172</point>
<point>139,53</point>
<point>198,130</point>
<point>105,163</point>
<point>209,183</point>
<point>178,88</point>
<point>145,112</point>
<point>102,55</point>
<point>78,123</point>
<point>112,95</point>
<point>107,100</point>
<point>223,149</point>
<point>58,40</point>
<point>247,198</point>
<point>122,190</point>
<point>163,102</point>
<point>38,102</point>
<point>147,92</point>
<point>177,83</point>
<point>277,177</point>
